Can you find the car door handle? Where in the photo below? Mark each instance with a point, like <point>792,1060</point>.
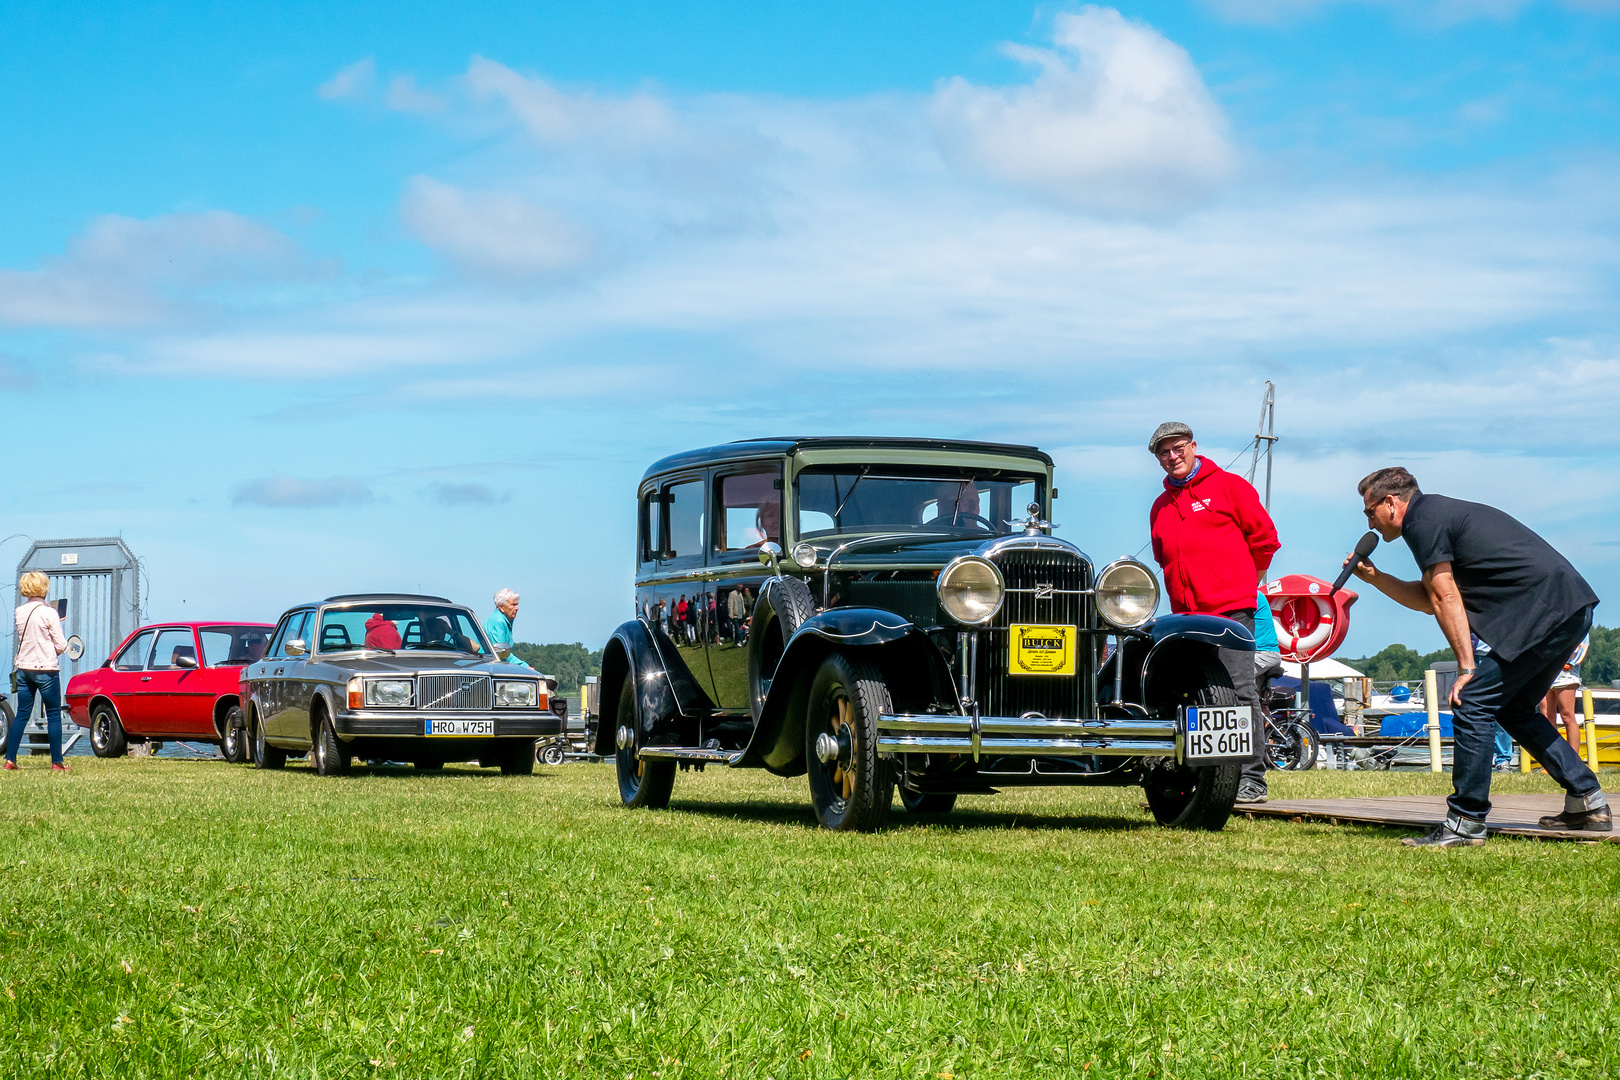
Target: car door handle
<point>146,678</point>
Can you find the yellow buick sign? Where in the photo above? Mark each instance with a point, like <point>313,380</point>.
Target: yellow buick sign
<point>1041,650</point>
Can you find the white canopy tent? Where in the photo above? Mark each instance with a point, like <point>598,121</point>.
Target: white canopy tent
<point>1329,669</point>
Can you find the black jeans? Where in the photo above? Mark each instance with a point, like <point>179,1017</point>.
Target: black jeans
<point>1240,666</point>
<point>1508,694</point>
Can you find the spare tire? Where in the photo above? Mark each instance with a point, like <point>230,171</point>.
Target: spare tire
<point>783,606</point>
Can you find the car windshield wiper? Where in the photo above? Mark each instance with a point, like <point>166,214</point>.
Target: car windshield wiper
<point>837,518</point>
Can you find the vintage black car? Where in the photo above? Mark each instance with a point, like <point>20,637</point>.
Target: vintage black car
<point>882,612</point>
<point>391,677</point>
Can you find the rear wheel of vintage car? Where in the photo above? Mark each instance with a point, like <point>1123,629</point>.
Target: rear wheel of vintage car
<point>107,733</point>
<point>1199,797</point>
<point>331,756</point>
<point>516,757</point>
<point>641,783</point>
<point>265,756</point>
<point>850,786</point>
<point>916,802</point>
<point>233,741</point>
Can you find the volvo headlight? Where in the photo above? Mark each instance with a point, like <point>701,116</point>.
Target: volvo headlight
<point>1127,594</point>
<point>516,693</point>
<point>970,589</point>
<point>388,692</point>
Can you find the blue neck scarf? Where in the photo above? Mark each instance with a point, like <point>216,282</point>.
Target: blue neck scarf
<point>1173,482</point>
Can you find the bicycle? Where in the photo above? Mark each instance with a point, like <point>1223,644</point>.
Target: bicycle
<point>1292,743</point>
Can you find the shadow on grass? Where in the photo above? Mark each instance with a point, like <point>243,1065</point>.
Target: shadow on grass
<point>801,815</point>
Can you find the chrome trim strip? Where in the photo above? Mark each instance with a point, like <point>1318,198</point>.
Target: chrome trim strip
<point>1000,726</point>
<point>688,753</point>
<point>949,744</point>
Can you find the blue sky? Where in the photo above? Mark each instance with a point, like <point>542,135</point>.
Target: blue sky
<point>313,299</point>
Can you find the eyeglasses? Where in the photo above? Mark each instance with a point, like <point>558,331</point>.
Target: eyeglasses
<point>1173,450</point>
<point>1372,510</point>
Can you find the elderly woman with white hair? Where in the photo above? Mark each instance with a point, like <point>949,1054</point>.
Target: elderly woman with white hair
<point>498,627</point>
<point>39,643</point>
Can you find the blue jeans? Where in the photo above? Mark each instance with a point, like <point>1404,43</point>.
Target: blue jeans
<point>49,687</point>
<point>1508,694</point>
<point>1504,746</point>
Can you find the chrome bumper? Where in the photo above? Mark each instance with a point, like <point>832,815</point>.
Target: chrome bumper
<point>1035,736</point>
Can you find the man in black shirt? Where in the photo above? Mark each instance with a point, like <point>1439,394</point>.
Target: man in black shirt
<point>1485,571</point>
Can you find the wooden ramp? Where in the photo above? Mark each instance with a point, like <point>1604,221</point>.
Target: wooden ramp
<point>1511,815</point>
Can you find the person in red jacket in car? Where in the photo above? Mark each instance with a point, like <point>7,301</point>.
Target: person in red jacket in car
<point>1214,542</point>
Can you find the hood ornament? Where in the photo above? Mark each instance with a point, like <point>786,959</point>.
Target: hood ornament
<point>1034,525</point>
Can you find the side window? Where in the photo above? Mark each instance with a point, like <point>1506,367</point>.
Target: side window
<point>683,505</point>
<point>652,523</point>
<point>133,656</point>
<point>748,510</point>
<point>291,629</point>
<point>172,646</point>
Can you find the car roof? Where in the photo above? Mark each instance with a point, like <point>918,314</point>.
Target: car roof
<point>345,598</point>
<point>765,447</point>
<point>204,624</point>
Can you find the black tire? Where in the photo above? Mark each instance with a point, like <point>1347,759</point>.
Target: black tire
<point>852,792</point>
<point>428,765</point>
<point>916,802</point>
<point>517,757</point>
<point>331,757</point>
<point>1295,747</point>
<point>551,754</point>
<point>107,737</point>
<point>783,606</point>
<point>6,717</point>
<point>233,740</point>
<point>265,756</point>
<point>1196,798</point>
<point>642,784</point>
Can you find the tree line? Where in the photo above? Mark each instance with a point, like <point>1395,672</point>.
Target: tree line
<point>1397,662</point>
<point>568,663</point>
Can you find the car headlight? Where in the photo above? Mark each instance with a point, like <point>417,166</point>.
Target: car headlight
<point>805,555</point>
<point>516,693</point>
<point>971,589</point>
<point>388,692</point>
<point>1127,594</point>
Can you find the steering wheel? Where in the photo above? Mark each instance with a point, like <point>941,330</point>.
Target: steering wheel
<point>963,515</point>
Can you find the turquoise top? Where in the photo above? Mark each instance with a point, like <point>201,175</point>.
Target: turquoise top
<point>1265,631</point>
<point>498,628</point>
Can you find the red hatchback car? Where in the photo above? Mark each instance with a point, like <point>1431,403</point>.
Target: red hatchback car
<point>171,681</point>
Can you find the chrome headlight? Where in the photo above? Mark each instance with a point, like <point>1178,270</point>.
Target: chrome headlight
<point>971,589</point>
<point>516,693</point>
<point>805,555</point>
<point>1127,594</point>
<point>388,691</point>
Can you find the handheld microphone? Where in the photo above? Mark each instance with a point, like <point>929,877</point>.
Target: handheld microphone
<point>1364,548</point>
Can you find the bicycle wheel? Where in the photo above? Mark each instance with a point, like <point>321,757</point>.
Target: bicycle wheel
<point>1292,744</point>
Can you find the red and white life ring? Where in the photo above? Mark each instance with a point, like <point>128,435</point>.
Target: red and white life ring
<point>1310,623</point>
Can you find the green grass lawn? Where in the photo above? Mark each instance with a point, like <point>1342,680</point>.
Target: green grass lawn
<point>180,918</point>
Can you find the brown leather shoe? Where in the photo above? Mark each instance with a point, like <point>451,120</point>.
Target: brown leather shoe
<point>1599,820</point>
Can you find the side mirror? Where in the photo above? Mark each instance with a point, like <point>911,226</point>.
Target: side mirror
<point>769,555</point>
<point>185,661</point>
<point>296,647</point>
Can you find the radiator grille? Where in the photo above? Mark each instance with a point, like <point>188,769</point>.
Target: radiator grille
<point>916,601</point>
<point>1042,587</point>
<point>452,691</point>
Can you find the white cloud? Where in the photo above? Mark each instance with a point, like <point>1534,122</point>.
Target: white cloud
<point>553,115</point>
<point>287,491</point>
<point>495,233</point>
<point>354,81</point>
<point>124,272</point>
<point>1117,118</point>
<point>405,96</point>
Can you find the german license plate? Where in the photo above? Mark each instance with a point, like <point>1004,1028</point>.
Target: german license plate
<point>460,727</point>
<point>1041,650</point>
<point>1220,733</point>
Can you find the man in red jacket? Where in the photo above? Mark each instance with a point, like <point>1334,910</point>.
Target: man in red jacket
<point>1214,542</point>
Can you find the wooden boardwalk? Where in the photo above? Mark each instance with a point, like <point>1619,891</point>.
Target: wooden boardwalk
<point>1511,815</point>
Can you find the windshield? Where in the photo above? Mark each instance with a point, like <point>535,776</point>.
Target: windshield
<point>233,646</point>
<point>886,498</point>
<point>401,628</point>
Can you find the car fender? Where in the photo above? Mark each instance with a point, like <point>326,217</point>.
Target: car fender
<point>1180,641</point>
<point>323,697</point>
<point>632,653</point>
<point>915,672</point>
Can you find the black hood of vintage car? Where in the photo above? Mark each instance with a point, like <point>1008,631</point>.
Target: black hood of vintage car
<point>917,549</point>
<point>414,661</point>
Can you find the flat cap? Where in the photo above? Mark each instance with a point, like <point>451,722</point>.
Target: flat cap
<point>1165,431</point>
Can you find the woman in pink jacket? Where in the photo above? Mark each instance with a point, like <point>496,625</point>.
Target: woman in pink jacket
<point>39,643</point>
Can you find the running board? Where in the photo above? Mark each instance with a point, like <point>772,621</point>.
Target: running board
<point>688,753</point>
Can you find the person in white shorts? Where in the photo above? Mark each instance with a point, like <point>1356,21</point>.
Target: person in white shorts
<point>1559,703</point>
